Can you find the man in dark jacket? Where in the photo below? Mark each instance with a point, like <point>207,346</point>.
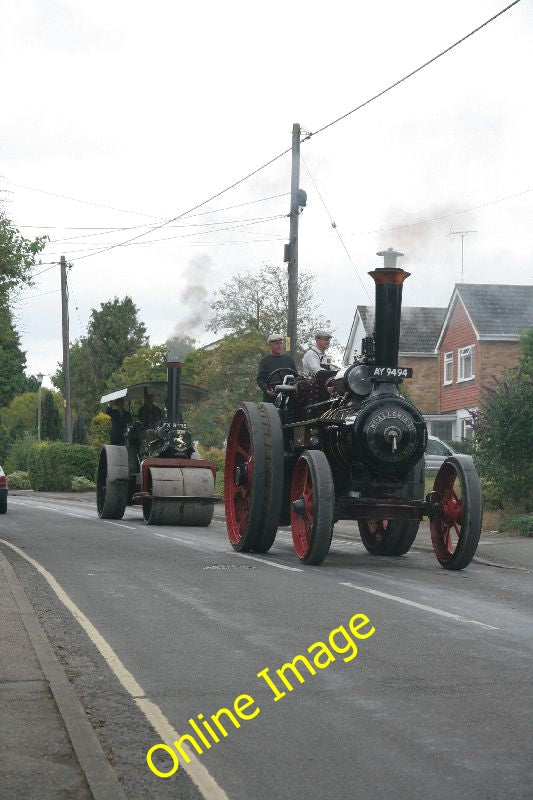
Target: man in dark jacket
<point>276,360</point>
<point>149,414</point>
<point>120,419</point>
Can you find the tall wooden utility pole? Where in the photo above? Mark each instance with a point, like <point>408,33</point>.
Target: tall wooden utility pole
<point>66,362</point>
<point>292,314</point>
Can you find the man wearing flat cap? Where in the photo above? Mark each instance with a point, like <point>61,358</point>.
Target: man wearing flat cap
<point>316,359</point>
<point>275,360</point>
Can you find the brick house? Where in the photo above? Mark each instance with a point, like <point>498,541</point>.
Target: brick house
<point>457,351</point>
<point>479,340</point>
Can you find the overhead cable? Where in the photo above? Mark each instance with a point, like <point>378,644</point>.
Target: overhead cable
<point>334,226</point>
<point>76,200</point>
<point>112,228</point>
<point>410,74</point>
<point>309,135</point>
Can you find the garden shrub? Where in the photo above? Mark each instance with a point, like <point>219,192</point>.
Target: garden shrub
<point>81,484</point>
<point>492,493</point>
<point>218,456</point>
<point>19,453</point>
<point>18,480</point>
<point>99,429</point>
<point>503,426</point>
<point>53,465</point>
<point>521,523</point>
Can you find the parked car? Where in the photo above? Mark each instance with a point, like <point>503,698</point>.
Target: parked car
<point>436,453</point>
<point>3,492</point>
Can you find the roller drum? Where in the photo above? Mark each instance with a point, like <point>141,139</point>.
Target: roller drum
<point>166,483</point>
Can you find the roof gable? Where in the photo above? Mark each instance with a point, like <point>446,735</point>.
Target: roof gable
<point>497,310</point>
<point>419,327</point>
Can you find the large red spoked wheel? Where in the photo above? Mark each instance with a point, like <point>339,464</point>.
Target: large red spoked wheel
<point>253,478</point>
<point>312,507</point>
<point>456,529</point>
<point>388,537</point>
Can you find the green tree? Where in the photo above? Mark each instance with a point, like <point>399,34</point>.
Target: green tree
<point>20,416</point>
<point>79,429</point>
<point>13,381</point>
<point>113,333</point>
<point>51,427</point>
<point>503,426</point>
<point>259,302</point>
<point>228,372</point>
<point>18,256</point>
<point>147,364</point>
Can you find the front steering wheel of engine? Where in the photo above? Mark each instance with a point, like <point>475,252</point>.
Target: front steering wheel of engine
<point>277,376</point>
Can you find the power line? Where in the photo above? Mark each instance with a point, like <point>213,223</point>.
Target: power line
<point>69,283</point>
<point>41,294</point>
<point>76,200</point>
<point>149,242</point>
<point>410,74</point>
<point>198,205</point>
<point>239,205</point>
<point>53,264</point>
<point>284,152</point>
<point>196,244</point>
<point>113,228</point>
<point>334,226</point>
<point>251,220</point>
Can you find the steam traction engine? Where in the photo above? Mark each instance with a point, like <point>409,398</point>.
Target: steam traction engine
<point>156,467</point>
<point>347,445</point>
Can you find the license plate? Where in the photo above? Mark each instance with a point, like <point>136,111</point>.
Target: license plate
<point>391,373</point>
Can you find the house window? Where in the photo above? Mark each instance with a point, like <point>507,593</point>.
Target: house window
<point>442,430</point>
<point>466,363</point>
<point>468,431</point>
<point>448,368</point>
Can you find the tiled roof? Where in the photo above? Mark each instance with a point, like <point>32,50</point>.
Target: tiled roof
<point>419,327</point>
<point>497,310</point>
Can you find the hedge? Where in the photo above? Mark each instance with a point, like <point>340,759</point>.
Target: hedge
<point>52,465</point>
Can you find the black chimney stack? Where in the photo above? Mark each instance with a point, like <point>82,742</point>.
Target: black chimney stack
<point>389,280</point>
<point>173,391</point>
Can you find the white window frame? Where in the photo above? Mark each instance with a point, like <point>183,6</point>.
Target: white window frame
<point>462,352</point>
<point>448,360</point>
<point>466,425</point>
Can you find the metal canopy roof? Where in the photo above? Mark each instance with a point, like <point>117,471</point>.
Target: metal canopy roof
<point>189,394</point>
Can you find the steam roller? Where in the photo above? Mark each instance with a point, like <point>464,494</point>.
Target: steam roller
<point>157,467</point>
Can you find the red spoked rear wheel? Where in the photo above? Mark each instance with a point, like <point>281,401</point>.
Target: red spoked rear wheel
<point>456,529</point>
<point>312,507</point>
<point>253,478</point>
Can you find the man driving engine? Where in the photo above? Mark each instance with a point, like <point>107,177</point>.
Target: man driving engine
<point>272,362</point>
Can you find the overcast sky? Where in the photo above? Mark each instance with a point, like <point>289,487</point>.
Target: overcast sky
<point>146,110</point>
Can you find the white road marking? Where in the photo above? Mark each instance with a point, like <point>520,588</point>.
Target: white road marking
<point>56,509</point>
<point>62,510</point>
<point>270,563</point>
<point>421,606</point>
<point>205,782</point>
<point>118,524</point>
<point>175,539</point>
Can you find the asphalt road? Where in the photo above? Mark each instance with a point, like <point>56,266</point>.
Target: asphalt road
<point>437,703</point>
